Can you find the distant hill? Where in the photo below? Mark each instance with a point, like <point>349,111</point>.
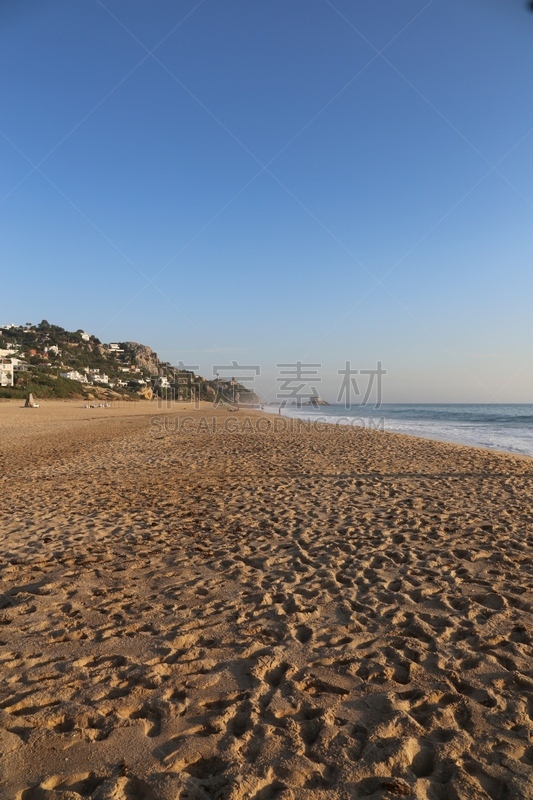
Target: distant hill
<point>61,363</point>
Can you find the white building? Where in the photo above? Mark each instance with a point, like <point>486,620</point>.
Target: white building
<point>74,375</point>
<point>6,372</point>
<point>11,350</point>
<point>115,347</point>
<point>85,336</point>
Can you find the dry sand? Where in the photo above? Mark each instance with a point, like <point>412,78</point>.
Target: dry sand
<point>242,614</point>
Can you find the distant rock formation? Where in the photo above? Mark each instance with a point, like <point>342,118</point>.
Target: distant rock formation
<point>316,401</point>
<point>142,356</point>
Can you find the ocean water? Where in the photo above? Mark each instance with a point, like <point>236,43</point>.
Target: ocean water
<point>495,426</point>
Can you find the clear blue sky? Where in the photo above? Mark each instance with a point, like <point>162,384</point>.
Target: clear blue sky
<point>281,180</point>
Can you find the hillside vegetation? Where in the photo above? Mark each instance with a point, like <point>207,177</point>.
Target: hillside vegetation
<point>126,370</point>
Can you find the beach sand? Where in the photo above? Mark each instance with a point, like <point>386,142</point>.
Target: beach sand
<point>257,613</point>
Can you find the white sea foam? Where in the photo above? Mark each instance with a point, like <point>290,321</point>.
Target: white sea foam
<point>498,427</point>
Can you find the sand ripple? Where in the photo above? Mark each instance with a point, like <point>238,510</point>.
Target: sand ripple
<point>336,614</point>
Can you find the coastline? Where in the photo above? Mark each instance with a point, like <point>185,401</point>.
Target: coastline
<point>455,423</point>
<point>318,614</point>
<point>74,410</point>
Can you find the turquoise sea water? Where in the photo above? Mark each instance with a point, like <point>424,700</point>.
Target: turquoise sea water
<point>496,426</point>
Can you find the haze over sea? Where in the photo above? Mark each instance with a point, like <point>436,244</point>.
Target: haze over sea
<point>506,427</point>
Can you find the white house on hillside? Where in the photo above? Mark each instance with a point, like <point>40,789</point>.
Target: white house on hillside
<point>8,368</point>
<point>74,375</point>
<point>97,376</point>
<point>6,372</point>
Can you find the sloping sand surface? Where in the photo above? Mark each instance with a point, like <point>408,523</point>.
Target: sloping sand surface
<point>250,613</point>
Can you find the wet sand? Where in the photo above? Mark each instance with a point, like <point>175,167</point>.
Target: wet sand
<point>244,612</point>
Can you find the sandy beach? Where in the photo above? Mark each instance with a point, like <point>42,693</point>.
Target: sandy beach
<point>205,605</point>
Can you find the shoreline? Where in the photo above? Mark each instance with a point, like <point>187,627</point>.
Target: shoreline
<point>234,421</point>
<point>380,423</point>
<point>144,408</point>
